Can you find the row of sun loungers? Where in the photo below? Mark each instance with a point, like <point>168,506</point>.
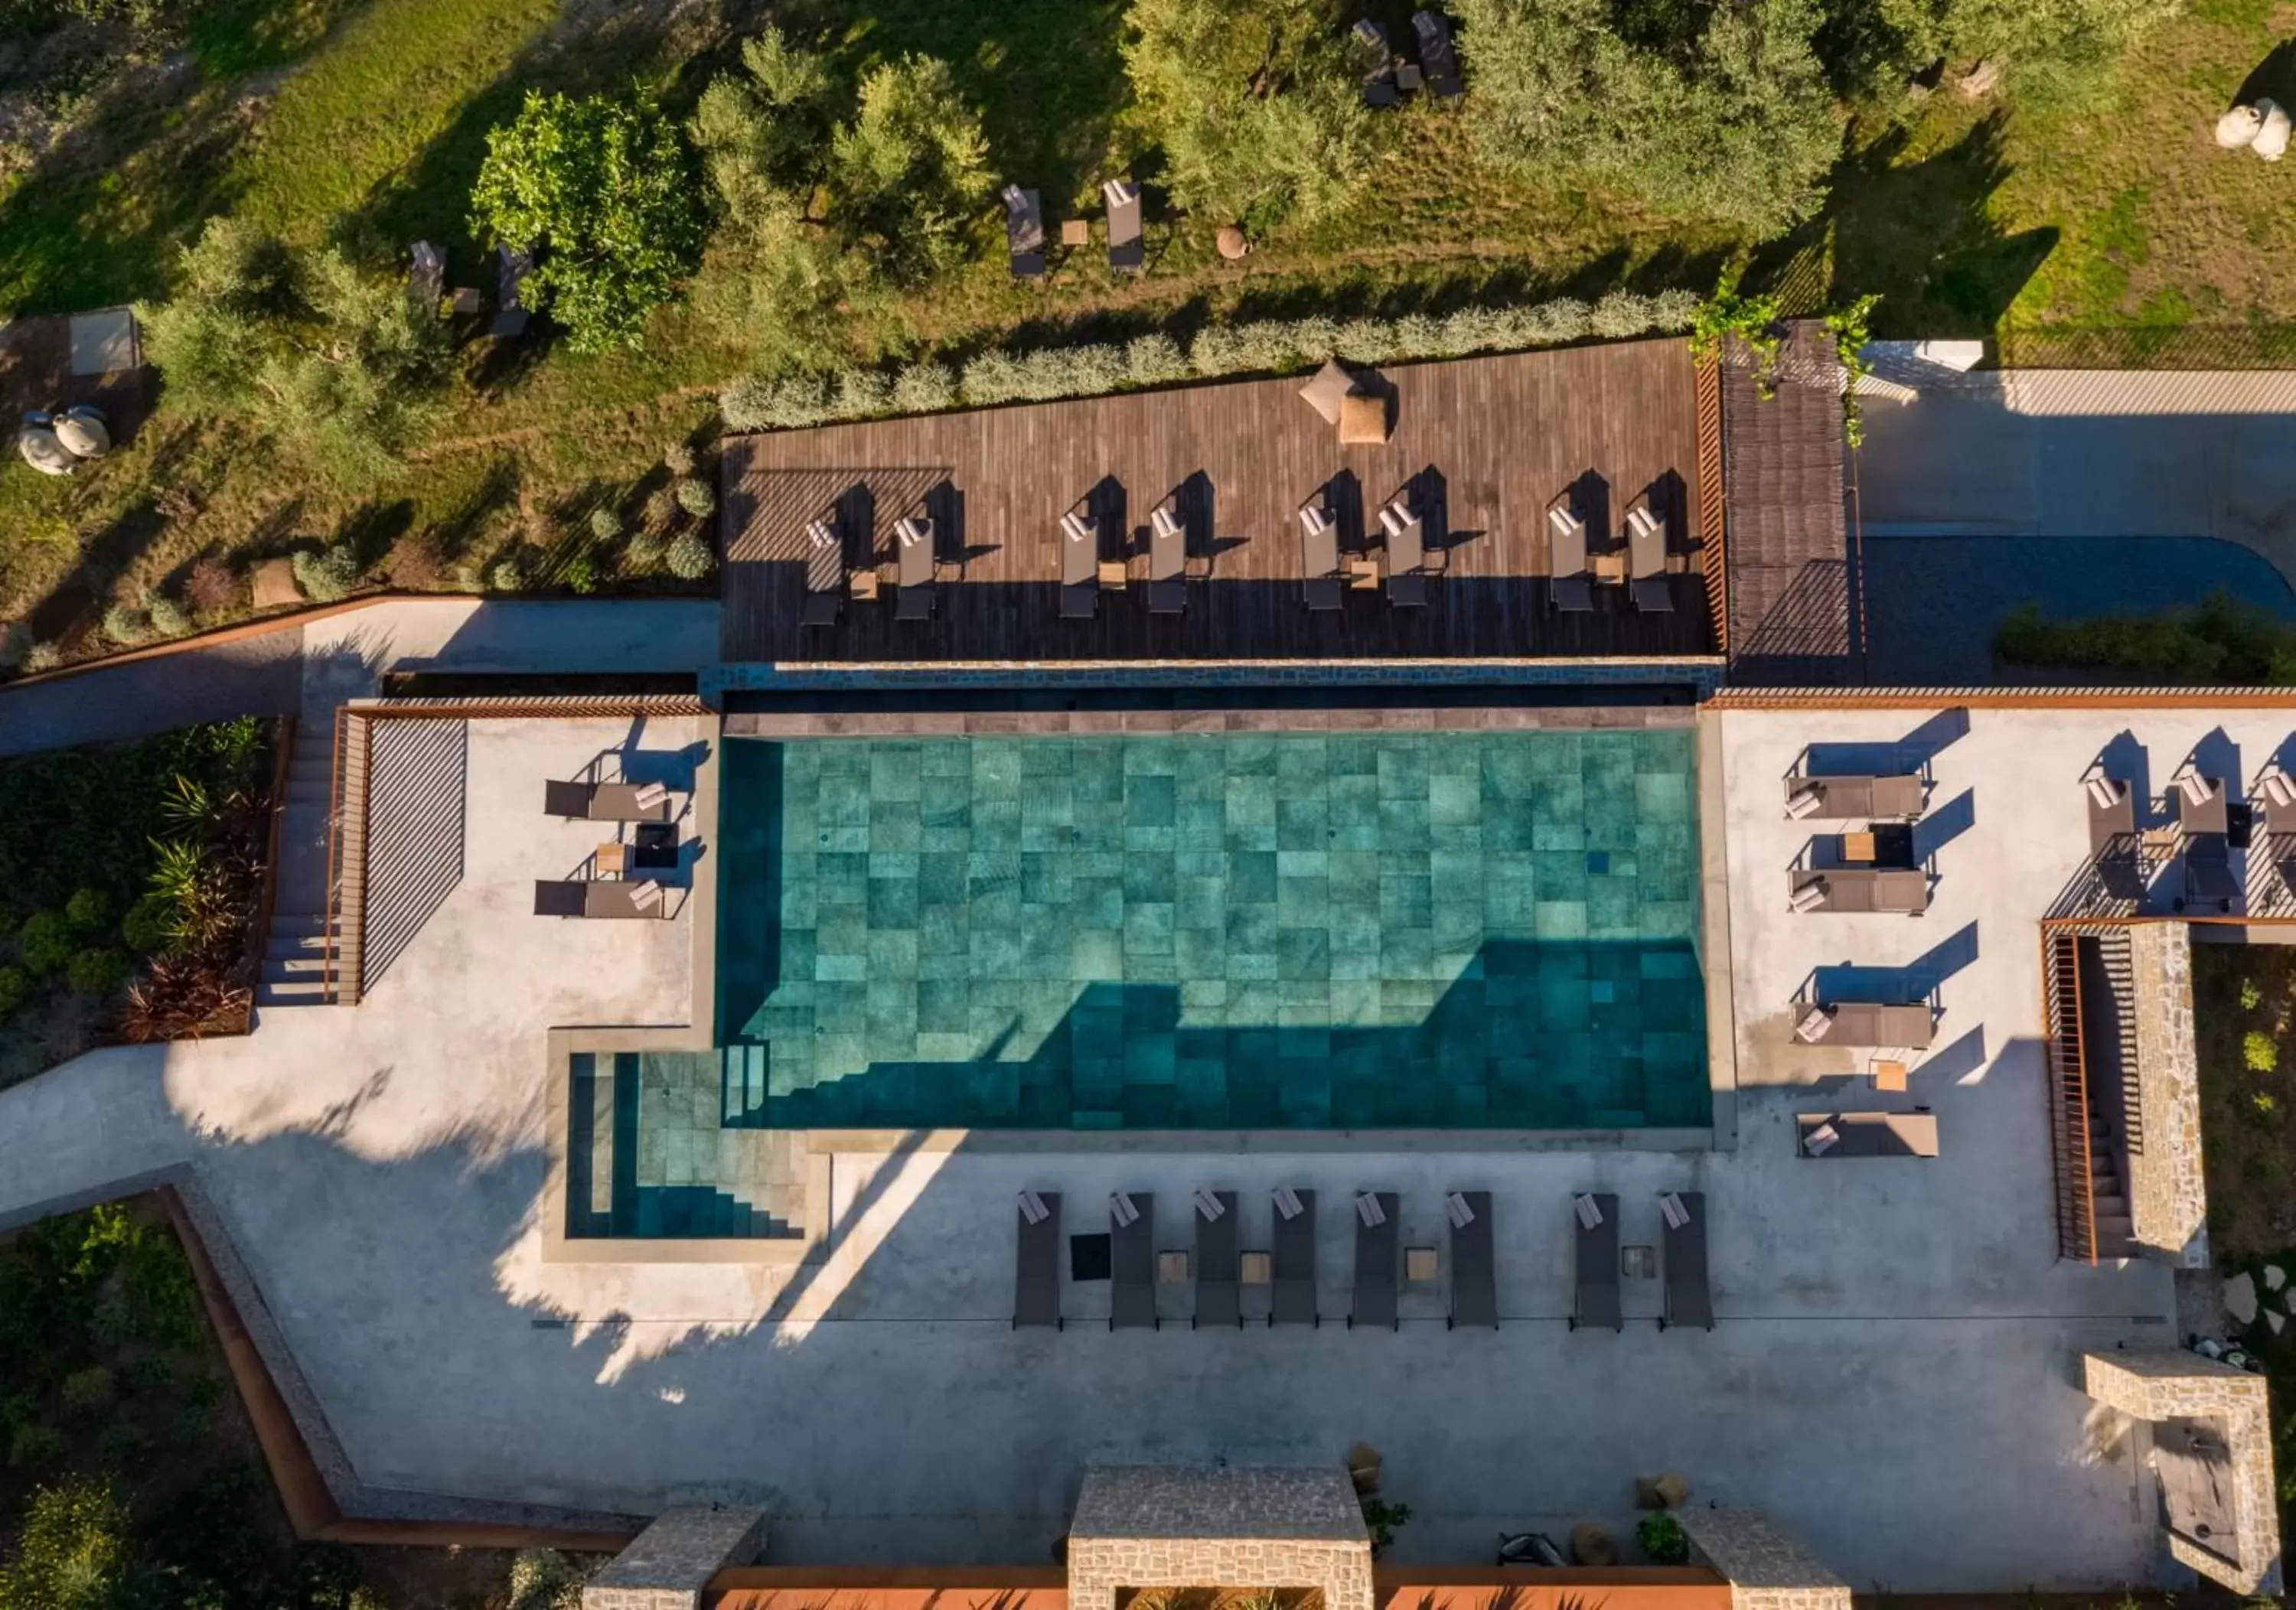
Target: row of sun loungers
<point>1024,229</point>
<point>1403,548</point>
<point>2203,821</point>
<point>1388,78</point>
<point>1569,568</point>
<point>1595,1303</point>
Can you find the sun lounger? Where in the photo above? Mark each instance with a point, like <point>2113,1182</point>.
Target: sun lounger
<point>1596,1305</point>
<point>914,538</point>
<point>1903,891</point>
<point>1568,588</point>
<point>1218,1300</point>
<point>1855,797</point>
<point>1378,1246</point>
<point>2275,795</point>
<point>1647,561</point>
<point>1132,1262</point>
<point>1682,1213</point>
<point>510,269</point>
<point>600,897</point>
<point>1037,1297</point>
<point>1912,1134</point>
<point>2209,877</point>
<point>1437,55</point>
<point>2113,841</point>
<point>1474,1276</point>
<point>1293,1288</point>
<point>1128,253</point>
<point>2200,803</point>
<point>609,801</point>
<point>1407,536</point>
<point>1167,563</point>
<point>1024,232</point>
<point>1379,57</point>
<point>825,572</point>
<point>1866,1023</point>
<point>1319,557</point>
<point>1079,566</point>
<point>426,279</point>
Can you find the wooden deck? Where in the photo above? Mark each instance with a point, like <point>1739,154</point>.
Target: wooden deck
<point>1486,444</point>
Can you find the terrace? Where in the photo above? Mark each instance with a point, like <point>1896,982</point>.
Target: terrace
<point>1483,446</point>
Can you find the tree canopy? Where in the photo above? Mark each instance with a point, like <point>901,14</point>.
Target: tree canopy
<point>1255,103</point>
<point>909,173</point>
<point>604,189</point>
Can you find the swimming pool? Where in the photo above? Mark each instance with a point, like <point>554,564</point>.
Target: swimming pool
<point>1392,929</point>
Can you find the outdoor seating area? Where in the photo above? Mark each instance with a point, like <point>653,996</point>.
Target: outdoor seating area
<point>1380,519</point>
<point>2200,845</point>
<point>630,875</point>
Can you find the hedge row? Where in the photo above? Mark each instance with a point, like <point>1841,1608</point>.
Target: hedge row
<point>1268,345</point>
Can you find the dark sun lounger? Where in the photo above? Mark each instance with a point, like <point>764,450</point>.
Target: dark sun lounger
<point>603,801</point>
<point>1036,1298</point>
<point>1133,1267</point>
<point>1474,1278</point>
<point>1376,1252</point>
<point>1294,1284</point>
<point>1597,1305</point>
<point>1217,1299</point>
<point>1688,1299</point>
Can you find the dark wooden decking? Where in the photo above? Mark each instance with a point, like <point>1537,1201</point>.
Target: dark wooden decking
<point>1488,443</point>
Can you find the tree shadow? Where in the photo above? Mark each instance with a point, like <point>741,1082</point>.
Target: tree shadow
<point>2273,78</point>
<point>1920,234</point>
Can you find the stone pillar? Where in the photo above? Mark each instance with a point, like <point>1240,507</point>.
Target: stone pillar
<point>668,1566</point>
<point>2164,1385</point>
<point>1236,1526</point>
<point>1768,1568</point>
<point>2168,1196</point>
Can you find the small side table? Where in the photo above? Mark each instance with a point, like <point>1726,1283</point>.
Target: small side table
<point>1113,573</point>
<point>1363,573</point>
<point>1408,77</point>
<point>1610,568</point>
<point>864,586</point>
<point>1888,1075</point>
<point>612,861</point>
<point>1256,1267</point>
<point>1422,1264</point>
<point>1172,1267</point>
<point>1857,848</point>
<point>2160,843</point>
<point>1076,231</point>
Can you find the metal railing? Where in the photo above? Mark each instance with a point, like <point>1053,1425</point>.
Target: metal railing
<point>2069,1120</point>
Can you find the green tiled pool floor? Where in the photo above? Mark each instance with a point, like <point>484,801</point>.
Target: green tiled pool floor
<point>1310,931</point>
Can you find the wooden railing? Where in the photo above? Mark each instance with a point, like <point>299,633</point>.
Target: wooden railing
<point>2068,1073</point>
<point>1713,513</point>
<point>345,899</point>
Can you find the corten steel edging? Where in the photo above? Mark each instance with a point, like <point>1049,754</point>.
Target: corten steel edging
<point>330,882</point>
<point>2146,697</point>
<point>1713,500</point>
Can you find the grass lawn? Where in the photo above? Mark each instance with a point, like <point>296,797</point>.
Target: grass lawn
<point>363,121</point>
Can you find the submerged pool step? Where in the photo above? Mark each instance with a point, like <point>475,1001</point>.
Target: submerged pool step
<point>744,1071</point>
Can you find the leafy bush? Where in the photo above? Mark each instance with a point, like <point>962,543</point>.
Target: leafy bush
<point>88,909</point>
<point>696,497</point>
<point>543,1579</point>
<point>603,190</point>
<point>2221,643</point>
<point>677,458</point>
<point>660,511</point>
<point>1663,1540</point>
<point>32,1446</point>
<point>43,944</point>
<point>582,574</point>
<point>642,554</point>
<point>327,574</point>
<point>15,988</point>
<point>121,1444</point>
<point>921,388</point>
<point>96,971</point>
<point>144,927</point>
<point>126,626</point>
<point>211,585</point>
<point>690,558</point>
<point>15,644</point>
<point>2258,1051</point>
<point>42,657</point>
<point>168,618</point>
<point>605,525</point>
<point>1154,360</point>
<point>73,1551</point>
<point>508,573</point>
<point>87,1389</point>
<point>909,174</point>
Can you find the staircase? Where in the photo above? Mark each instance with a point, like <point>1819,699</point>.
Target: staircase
<point>2108,999</point>
<point>295,968</point>
<point>2070,1142</point>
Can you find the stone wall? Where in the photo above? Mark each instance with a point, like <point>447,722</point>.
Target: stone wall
<point>2167,1196</point>
<point>668,1566</point>
<point>2169,1384</point>
<point>1768,1568</point>
<point>1256,1526</point>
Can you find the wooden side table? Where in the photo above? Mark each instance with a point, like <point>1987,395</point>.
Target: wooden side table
<point>1076,231</point>
<point>1363,573</point>
<point>1609,568</point>
<point>1113,573</point>
<point>1256,1267</point>
<point>1888,1075</point>
<point>1172,1267</point>
<point>613,861</point>
<point>1857,848</point>
<point>863,583</point>
<point>1421,1264</point>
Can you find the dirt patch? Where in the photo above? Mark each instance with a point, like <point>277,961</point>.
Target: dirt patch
<point>2244,1002</point>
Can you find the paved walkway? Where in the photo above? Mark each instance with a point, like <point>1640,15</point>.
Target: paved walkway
<point>256,676</point>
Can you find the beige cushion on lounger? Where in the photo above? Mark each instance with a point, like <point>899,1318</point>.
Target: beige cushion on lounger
<point>2278,790</point>
<point>2196,789</point>
<point>645,896</point>
<point>1809,896</point>
<point>1564,521</point>
<point>1805,801</point>
<point>1363,420</point>
<point>1328,390</point>
<point>651,795</point>
<point>1589,1212</point>
<point>1369,1211</point>
<point>2103,793</point>
<point>1821,1140</point>
<point>1813,1025</point>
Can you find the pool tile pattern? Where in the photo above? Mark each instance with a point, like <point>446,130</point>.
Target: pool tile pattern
<point>1244,930</point>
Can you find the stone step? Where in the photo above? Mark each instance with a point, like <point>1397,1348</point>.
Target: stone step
<point>300,964</point>
<point>296,991</point>
<point>297,922</point>
<point>293,947</point>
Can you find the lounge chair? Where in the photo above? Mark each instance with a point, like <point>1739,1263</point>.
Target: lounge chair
<point>1024,232</point>
<point>1132,1262</point>
<point>1167,563</point>
<point>1689,1301</point>
<point>1219,1291</point>
<point>1902,891</point>
<point>1379,74</point>
<point>1378,1245</point>
<point>1912,1134</point>
<point>1319,557</point>
<point>2113,842</point>
<point>914,539</point>
<point>426,279</point>
<point>1037,1297</point>
<point>1596,1305</point>
<point>1437,55</point>
<point>1079,566</point>
<point>2276,794</point>
<point>1406,554</point>
<point>1474,1276</point>
<point>1646,560</point>
<point>1865,1024</point>
<point>609,801</point>
<point>1568,589</point>
<point>2205,815</point>
<point>1856,797</point>
<point>2200,804</point>
<point>1292,1289</point>
<point>1128,252</point>
<point>824,573</point>
<point>600,897</point>
<point>510,269</point>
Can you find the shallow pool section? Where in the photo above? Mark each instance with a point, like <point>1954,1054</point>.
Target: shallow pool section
<point>1233,931</point>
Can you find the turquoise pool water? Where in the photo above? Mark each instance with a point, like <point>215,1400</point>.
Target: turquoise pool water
<point>1246,930</point>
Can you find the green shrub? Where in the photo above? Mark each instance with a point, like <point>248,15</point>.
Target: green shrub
<point>1154,360</point>
<point>1663,1540</point>
<point>88,909</point>
<point>2222,643</point>
<point>695,498</point>
<point>2258,1050</point>
<point>15,988</point>
<point>908,175</point>
<point>923,387</point>
<point>642,554</point>
<point>73,1551</point>
<point>32,1446</point>
<point>2251,995</point>
<point>508,573</point>
<point>691,557</point>
<point>168,618</point>
<point>96,971</point>
<point>126,625</point>
<point>84,1390</point>
<point>605,525</point>
<point>582,574</point>
<point>43,944</point>
<point>677,458</point>
<point>15,644</point>
<point>543,1579</point>
<point>327,574</point>
<point>121,1444</point>
<point>144,929</point>
<point>42,657</point>
<point>660,509</point>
